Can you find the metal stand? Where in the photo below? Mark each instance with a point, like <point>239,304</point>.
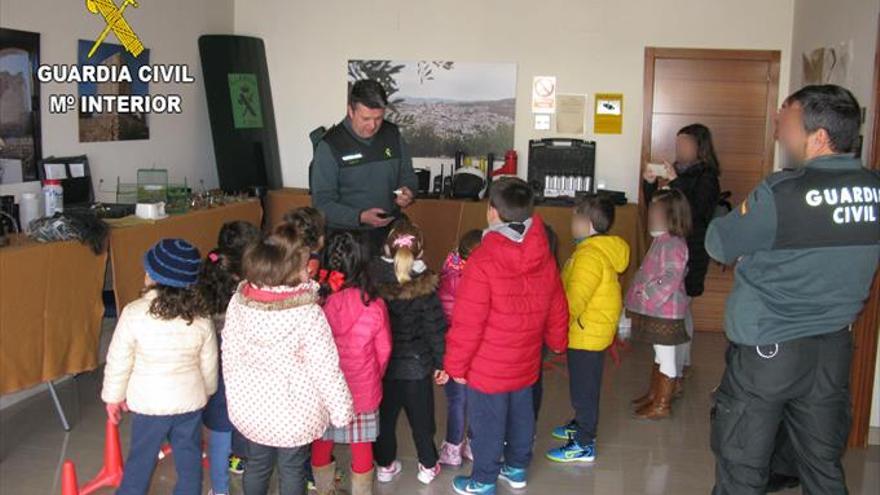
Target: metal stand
<point>58,408</point>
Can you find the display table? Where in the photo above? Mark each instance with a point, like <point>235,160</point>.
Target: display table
<point>443,221</point>
<point>50,311</point>
<point>129,243</point>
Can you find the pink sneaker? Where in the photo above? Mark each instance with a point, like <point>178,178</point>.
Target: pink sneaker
<point>466,450</point>
<point>450,454</point>
<point>387,474</point>
<point>426,476</point>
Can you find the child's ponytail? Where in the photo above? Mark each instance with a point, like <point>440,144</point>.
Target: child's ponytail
<point>403,262</point>
<point>404,245</point>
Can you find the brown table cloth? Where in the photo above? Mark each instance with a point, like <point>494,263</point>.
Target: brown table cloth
<point>50,311</point>
<point>200,227</point>
<point>443,221</point>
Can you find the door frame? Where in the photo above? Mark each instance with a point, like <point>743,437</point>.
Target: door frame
<point>864,361</point>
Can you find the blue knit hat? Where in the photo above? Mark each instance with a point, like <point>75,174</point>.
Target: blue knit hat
<point>173,262</point>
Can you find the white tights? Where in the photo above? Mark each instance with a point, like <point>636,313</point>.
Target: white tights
<point>683,351</point>
<point>664,355</point>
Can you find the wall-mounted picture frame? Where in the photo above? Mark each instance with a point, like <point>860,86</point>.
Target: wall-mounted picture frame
<point>20,135</point>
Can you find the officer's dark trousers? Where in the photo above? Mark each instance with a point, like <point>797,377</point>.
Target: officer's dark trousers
<point>801,387</point>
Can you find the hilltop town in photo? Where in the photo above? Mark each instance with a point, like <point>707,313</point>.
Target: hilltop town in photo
<point>444,106</point>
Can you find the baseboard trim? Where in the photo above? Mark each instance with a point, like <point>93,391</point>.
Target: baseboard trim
<point>874,435</point>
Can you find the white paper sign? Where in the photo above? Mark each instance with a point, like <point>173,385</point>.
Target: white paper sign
<point>77,169</point>
<point>544,94</point>
<point>55,170</point>
<point>542,121</point>
<point>10,171</point>
<point>608,107</point>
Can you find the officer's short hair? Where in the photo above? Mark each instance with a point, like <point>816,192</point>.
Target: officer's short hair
<point>599,210</point>
<point>832,108</point>
<point>368,93</point>
<point>513,199</point>
<point>678,211</point>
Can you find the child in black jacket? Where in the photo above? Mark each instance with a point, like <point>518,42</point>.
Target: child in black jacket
<point>418,329</point>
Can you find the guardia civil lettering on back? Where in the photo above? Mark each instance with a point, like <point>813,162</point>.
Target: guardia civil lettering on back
<point>806,243</point>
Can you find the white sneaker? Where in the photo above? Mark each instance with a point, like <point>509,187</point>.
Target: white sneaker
<point>387,474</point>
<point>426,475</point>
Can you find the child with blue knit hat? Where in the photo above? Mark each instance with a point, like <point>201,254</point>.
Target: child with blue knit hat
<point>162,367</point>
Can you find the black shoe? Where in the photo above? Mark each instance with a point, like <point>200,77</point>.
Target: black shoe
<point>779,482</point>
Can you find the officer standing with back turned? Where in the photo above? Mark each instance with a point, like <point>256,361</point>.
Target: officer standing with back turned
<point>806,245</point>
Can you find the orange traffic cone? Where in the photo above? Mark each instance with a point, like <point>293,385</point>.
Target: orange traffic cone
<point>111,474</point>
<point>69,485</point>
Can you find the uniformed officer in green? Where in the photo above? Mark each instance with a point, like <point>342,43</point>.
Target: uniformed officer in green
<point>806,245</point>
<point>362,173</point>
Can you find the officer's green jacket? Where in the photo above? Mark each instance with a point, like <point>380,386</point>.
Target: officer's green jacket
<point>806,244</point>
<point>350,174</point>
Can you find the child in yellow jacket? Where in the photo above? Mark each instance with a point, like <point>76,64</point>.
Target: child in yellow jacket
<point>595,301</point>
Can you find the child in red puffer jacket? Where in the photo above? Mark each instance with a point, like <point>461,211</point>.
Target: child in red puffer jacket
<point>510,303</point>
<point>362,331</point>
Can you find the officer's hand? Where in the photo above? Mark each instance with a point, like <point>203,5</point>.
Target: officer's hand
<point>375,217</point>
<point>404,197</point>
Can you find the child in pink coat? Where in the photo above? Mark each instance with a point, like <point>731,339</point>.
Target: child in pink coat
<point>455,447</point>
<point>657,301</point>
<point>362,331</point>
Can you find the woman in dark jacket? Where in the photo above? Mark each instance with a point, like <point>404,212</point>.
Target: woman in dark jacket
<point>695,173</point>
<point>418,342</point>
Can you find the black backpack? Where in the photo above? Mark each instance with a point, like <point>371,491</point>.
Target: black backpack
<point>315,137</point>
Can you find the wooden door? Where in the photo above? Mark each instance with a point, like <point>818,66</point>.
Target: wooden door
<point>734,93</point>
<point>865,329</point>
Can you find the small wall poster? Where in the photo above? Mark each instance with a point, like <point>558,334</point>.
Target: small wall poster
<point>608,114</point>
<point>245,96</point>
<point>571,112</point>
<point>544,94</point>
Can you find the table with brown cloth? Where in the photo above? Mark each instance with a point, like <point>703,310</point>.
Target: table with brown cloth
<point>50,311</point>
<point>443,221</point>
<point>129,242</point>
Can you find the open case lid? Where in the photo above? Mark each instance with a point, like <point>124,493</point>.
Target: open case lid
<point>75,176</point>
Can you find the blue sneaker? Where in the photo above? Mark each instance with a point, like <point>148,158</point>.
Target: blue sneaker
<point>566,431</point>
<point>573,452</point>
<point>464,485</point>
<point>515,477</point>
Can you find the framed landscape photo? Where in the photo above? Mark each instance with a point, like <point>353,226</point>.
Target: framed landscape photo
<point>20,144</point>
<point>442,106</point>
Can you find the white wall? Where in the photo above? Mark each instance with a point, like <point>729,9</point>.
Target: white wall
<point>820,23</point>
<point>170,29</point>
<point>590,45</point>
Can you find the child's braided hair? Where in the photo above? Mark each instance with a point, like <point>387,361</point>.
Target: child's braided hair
<point>346,254</point>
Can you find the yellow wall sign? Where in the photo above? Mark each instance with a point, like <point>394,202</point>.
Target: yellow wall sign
<point>115,22</point>
<point>608,114</point>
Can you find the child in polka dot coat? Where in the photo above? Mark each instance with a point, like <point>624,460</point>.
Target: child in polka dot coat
<point>284,386</point>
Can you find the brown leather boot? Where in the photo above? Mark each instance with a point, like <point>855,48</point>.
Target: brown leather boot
<point>687,371</point>
<point>652,387</point>
<point>325,480</point>
<point>362,483</point>
<point>678,388</point>
<point>660,408</point>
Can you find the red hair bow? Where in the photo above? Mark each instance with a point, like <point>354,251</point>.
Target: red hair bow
<point>332,278</point>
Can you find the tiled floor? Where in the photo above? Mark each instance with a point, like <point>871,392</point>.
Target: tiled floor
<point>635,457</point>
